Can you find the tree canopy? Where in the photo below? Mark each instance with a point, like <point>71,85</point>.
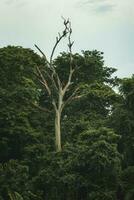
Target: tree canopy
<point>96,161</point>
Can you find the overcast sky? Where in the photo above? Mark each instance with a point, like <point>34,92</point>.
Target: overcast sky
<point>105,25</point>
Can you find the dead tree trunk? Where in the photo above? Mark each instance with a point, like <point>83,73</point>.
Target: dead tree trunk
<point>58,130</point>
<point>50,80</point>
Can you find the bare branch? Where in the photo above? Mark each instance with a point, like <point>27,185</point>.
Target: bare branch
<point>41,108</point>
<point>69,81</point>
<point>44,82</point>
<point>59,38</point>
<point>54,104</point>
<point>58,82</point>
<point>71,70</point>
<point>78,96</point>
<point>71,97</point>
<point>55,77</point>
<point>42,53</point>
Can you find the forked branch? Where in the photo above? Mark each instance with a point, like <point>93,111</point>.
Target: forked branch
<point>59,38</point>
<point>44,81</point>
<point>52,83</point>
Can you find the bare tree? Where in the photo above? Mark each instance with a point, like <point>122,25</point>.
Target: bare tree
<point>52,83</point>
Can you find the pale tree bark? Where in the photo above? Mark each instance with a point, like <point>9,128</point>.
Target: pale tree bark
<point>51,82</point>
<point>58,130</point>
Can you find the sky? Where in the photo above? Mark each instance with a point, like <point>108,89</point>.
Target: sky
<point>105,25</point>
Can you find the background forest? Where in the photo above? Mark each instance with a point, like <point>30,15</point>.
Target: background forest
<point>97,157</point>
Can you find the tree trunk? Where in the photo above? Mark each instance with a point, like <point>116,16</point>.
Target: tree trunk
<point>58,130</point>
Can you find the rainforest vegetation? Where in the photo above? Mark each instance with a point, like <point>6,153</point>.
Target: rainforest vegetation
<point>66,126</point>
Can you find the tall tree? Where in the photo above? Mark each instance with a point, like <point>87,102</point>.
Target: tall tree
<point>122,120</point>
<point>18,93</point>
<point>58,90</point>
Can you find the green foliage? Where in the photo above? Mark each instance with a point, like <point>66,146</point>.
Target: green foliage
<point>18,92</point>
<point>90,65</point>
<point>97,131</point>
<point>91,165</point>
<point>15,196</point>
<point>14,177</point>
<point>128,183</point>
<point>122,120</point>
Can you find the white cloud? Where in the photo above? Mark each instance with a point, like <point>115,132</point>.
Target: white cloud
<point>106,25</point>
